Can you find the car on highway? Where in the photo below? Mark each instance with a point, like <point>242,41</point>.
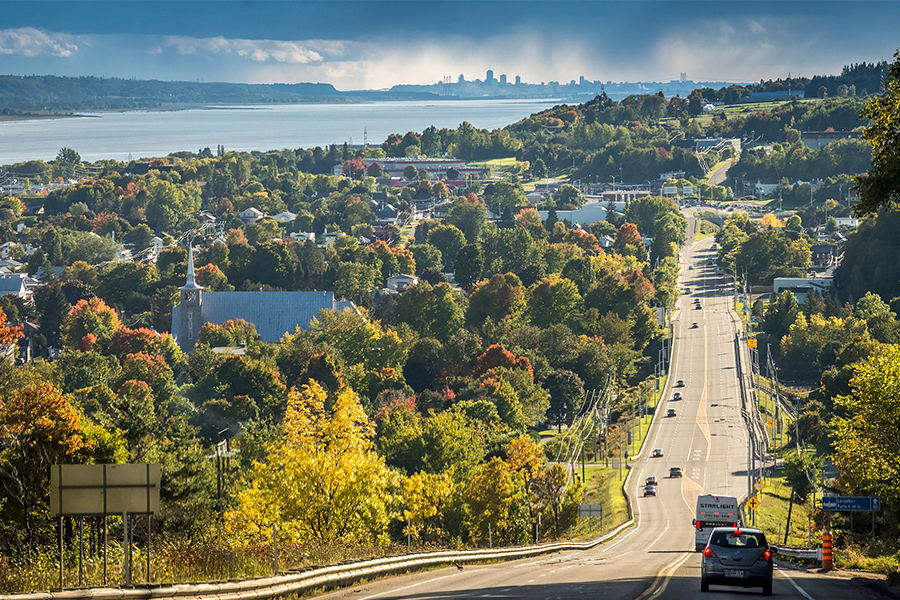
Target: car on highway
<point>675,472</point>
<point>651,481</point>
<point>649,490</point>
<point>737,556</point>
<point>676,396</point>
<point>670,412</point>
<point>679,383</point>
<point>698,306</point>
<point>690,267</point>
<point>657,452</point>
<point>694,325</point>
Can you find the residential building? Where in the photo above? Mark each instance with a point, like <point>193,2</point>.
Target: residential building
<point>820,139</point>
<point>802,286</point>
<point>251,215</point>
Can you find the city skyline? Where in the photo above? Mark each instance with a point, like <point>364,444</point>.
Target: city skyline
<point>376,44</point>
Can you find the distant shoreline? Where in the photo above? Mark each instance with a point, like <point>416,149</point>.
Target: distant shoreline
<point>39,117</point>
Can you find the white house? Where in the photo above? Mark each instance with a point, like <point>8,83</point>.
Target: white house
<point>285,217</point>
<point>251,215</point>
<point>802,286</point>
<point>399,283</point>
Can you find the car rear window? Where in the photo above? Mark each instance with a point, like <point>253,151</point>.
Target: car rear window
<point>743,539</point>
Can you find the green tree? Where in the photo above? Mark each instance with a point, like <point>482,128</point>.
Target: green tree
<point>469,217</point>
<point>552,300</point>
<point>539,169</point>
<point>569,194</point>
<point>566,391</point>
<point>866,445</point>
<point>449,240</point>
<point>469,266</point>
<point>67,160</point>
<point>436,311</point>
<point>500,297</point>
<point>503,196</point>
<point>880,186</point>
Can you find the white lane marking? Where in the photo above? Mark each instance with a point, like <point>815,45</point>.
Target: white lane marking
<point>417,584</point>
<point>661,534</point>
<point>537,562</point>
<point>794,583</point>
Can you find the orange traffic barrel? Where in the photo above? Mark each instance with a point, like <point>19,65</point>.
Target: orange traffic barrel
<point>827,551</point>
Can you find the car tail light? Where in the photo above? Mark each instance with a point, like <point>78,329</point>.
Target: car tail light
<point>708,553</point>
<point>699,526</point>
<point>767,556</point>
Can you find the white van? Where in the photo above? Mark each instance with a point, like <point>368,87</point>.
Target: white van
<point>714,511</point>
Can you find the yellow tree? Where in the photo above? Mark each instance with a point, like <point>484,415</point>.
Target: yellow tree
<point>322,480</point>
<point>496,504</point>
<point>524,457</point>
<point>425,496</point>
<point>769,220</point>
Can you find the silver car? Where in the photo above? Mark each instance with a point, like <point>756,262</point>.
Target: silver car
<point>739,557</point>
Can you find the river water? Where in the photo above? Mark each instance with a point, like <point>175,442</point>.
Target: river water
<point>146,134</point>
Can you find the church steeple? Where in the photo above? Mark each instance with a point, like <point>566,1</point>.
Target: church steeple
<point>191,284</point>
<point>191,319</point>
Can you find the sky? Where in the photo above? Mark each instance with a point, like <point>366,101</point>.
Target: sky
<point>375,44</point>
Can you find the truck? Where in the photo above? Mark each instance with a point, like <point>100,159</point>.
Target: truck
<point>713,511</point>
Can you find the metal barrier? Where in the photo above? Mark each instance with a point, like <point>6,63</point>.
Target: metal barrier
<point>801,553</point>
<point>313,579</point>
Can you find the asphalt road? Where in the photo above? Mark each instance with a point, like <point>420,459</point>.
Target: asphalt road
<point>654,559</point>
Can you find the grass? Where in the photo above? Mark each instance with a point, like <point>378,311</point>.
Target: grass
<point>771,516</point>
<point>603,486</point>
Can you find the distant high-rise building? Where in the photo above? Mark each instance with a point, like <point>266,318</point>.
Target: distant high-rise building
<point>518,79</point>
<point>503,79</point>
<point>461,78</point>
<point>489,78</point>
<point>683,77</point>
<point>581,80</point>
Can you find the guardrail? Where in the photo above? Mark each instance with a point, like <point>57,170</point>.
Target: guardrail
<point>296,583</point>
<point>801,553</point>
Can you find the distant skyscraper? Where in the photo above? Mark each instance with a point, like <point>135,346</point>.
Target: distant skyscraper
<point>518,79</point>
<point>683,77</point>
<point>461,78</point>
<point>489,78</point>
<point>503,79</point>
<point>581,80</point>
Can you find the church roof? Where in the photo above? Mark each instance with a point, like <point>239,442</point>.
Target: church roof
<point>273,313</point>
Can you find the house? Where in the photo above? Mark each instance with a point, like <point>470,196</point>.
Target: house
<point>820,139</point>
<point>802,286</point>
<point>330,236</point>
<point>386,213</point>
<point>823,256</point>
<point>251,215</point>
<point>272,313</point>
<point>285,217</point>
<point>586,214</point>
<point>399,283</point>
<point>304,236</point>
<point>436,168</point>
<point>14,285</point>
<point>764,189</point>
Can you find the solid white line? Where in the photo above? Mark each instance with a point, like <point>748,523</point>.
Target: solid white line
<point>416,585</point>
<point>794,583</point>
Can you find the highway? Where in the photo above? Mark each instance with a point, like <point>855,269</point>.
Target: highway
<point>655,559</point>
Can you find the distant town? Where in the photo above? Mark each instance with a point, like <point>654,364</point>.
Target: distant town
<point>502,86</point>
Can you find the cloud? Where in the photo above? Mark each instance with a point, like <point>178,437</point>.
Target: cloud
<point>755,27</point>
<point>28,41</point>
<point>256,50</point>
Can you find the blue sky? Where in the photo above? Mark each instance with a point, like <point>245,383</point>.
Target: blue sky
<point>374,44</point>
